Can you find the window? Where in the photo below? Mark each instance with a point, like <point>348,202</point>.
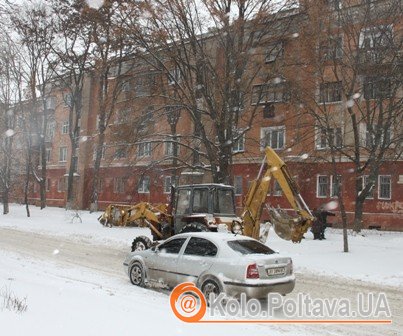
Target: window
<point>377,37</point>
<point>377,88</point>
<point>103,151</point>
<point>167,184</point>
<point>123,116</point>
<point>274,51</point>
<point>174,76</point>
<point>62,154</point>
<point>100,184</point>
<point>277,191</point>
<point>50,103</point>
<point>169,148</point>
<point>335,185</point>
<point>173,246</point>
<point>144,84</point>
<point>144,185</point>
<point>273,137</point>
<point>50,130</point>
<point>326,137</point>
<point>120,153</point>
<point>330,92</point>
<point>200,247</point>
<point>65,127</point>
<point>126,87</point>
<point>364,182</point>
<point>144,149</point>
<point>48,184</point>
<point>322,186</point>
<point>331,49</point>
<point>238,180</point>
<point>369,136</point>
<point>334,4</point>
<point>68,100</point>
<point>183,202</point>
<point>224,201</point>
<point>384,187</point>
<point>270,93</point>
<point>61,184</point>
<point>200,200</point>
<point>48,154</point>
<point>244,246</point>
<point>119,185</point>
<point>238,143</point>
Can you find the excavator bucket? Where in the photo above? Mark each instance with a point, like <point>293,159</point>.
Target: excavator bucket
<point>288,227</point>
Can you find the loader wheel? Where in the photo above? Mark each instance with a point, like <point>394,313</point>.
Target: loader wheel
<point>137,274</point>
<point>141,243</point>
<point>194,227</point>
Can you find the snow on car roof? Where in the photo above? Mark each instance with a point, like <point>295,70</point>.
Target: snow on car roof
<point>214,236</point>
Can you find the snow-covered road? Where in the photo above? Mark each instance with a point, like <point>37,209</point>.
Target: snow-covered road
<point>74,287</point>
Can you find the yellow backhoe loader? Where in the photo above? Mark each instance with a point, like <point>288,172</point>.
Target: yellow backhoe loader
<point>206,207</point>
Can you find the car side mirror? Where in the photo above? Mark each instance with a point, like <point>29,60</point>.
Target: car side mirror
<point>155,249</point>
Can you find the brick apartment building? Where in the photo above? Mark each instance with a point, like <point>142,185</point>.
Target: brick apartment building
<point>137,160</point>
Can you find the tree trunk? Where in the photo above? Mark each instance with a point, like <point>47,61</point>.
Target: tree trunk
<point>42,191</point>
<point>97,165</point>
<point>6,207</point>
<point>26,186</point>
<point>43,167</point>
<point>359,205</point>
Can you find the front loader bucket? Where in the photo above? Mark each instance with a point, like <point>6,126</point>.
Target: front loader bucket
<point>288,227</point>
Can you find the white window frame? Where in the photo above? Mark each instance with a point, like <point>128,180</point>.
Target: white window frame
<point>364,183</point>
<point>317,186</point>
<point>263,133</point>
<point>325,100</point>
<point>167,184</point>
<point>238,146</point>
<point>61,181</point>
<point>273,51</point>
<point>379,187</point>
<point>174,76</point>
<point>332,194</point>
<point>318,137</point>
<point>65,127</point>
<point>144,185</point>
<point>63,154</point>
<point>119,185</point>
<point>48,153</point>
<point>238,185</point>
<point>144,149</point>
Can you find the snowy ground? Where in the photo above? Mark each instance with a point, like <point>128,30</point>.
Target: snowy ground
<point>372,255</point>
<point>71,275</point>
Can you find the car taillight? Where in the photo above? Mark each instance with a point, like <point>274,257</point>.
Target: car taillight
<point>252,272</point>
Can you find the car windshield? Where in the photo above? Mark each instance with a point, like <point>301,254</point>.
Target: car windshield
<point>249,247</point>
<point>224,201</point>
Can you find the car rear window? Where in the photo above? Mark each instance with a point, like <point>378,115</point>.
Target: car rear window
<point>249,247</point>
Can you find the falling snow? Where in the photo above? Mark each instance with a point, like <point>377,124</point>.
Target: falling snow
<point>95,3</point>
<point>9,133</point>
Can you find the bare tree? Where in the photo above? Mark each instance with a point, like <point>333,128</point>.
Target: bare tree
<point>211,53</point>
<point>34,27</point>
<point>352,90</point>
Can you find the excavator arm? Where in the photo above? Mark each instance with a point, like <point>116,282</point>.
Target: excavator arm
<point>287,227</point>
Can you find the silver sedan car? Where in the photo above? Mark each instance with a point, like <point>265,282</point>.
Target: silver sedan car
<point>215,262</point>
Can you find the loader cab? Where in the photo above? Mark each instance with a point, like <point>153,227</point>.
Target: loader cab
<point>202,203</point>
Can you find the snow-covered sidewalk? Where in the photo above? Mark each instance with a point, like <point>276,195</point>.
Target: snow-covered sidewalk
<point>374,256</point>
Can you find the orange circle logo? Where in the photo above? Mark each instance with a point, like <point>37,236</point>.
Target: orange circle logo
<point>188,302</point>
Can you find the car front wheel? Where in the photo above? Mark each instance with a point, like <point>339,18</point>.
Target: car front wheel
<point>137,274</point>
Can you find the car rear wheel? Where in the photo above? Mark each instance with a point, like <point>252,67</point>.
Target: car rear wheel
<point>137,275</point>
<point>194,227</point>
<point>210,287</point>
<point>141,243</point>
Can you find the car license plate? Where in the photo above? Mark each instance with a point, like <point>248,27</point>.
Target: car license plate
<point>276,271</point>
